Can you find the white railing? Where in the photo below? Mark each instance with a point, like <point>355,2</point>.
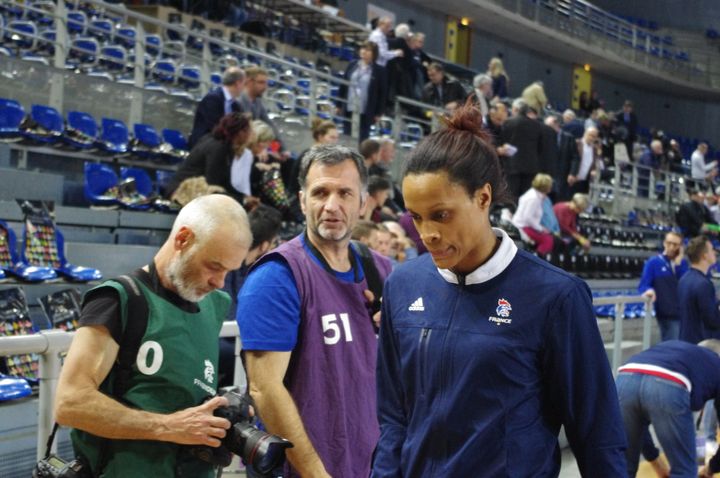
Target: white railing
<point>299,91</point>
<point>584,21</point>
<point>619,301</point>
<point>51,346</point>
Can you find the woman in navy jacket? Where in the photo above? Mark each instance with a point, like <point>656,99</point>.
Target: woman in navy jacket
<point>485,350</point>
<point>368,87</point>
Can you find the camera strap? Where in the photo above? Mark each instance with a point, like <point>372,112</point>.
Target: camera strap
<point>136,319</point>
<point>372,276</point>
<point>51,439</point>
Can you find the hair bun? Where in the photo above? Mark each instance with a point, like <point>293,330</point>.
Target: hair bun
<point>468,118</point>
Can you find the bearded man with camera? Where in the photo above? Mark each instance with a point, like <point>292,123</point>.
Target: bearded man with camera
<point>131,417</point>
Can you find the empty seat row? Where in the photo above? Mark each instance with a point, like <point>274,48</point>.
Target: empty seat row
<point>45,125</point>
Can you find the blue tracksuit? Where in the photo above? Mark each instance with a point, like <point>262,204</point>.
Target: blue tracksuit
<point>699,314</point>
<point>476,379</point>
<point>658,274</point>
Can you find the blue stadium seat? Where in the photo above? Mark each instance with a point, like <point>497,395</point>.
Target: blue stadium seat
<point>162,180</point>
<point>189,77</point>
<point>178,146</point>
<point>102,29</point>
<point>100,179</point>
<point>77,22</point>
<point>81,131</point>
<point>46,46</point>
<point>164,71</point>
<point>153,44</point>
<point>84,52</point>
<point>52,253</point>
<point>21,34</point>
<point>14,264</point>
<point>11,116</point>
<point>216,79</point>
<point>125,36</point>
<point>114,136</point>
<point>146,142</point>
<point>143,183</point>
<point>143,191</point>
<point>46,124</point>
<point>113,58</point>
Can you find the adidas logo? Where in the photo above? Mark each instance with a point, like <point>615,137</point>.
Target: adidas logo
<point>417,306</point>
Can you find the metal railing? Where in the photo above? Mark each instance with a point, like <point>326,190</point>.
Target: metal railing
<point>51,346</point>
<point>590,24</point>
<point>619,301</point>
<point>299,92</point>
<point>628,185</point>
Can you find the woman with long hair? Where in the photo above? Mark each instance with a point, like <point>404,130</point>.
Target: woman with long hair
<point>500,79</point>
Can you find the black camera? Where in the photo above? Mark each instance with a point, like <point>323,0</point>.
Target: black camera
<point>52,466</point>
<point>265,452</point>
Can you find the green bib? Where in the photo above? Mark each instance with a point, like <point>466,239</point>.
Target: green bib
<point>175,368</point>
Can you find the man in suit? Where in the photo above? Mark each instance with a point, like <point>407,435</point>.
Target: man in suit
<point>440,91</point>
<point>566,149</point>
<point>524,133</point>
<point>217,103</point>
<point>628,119</point>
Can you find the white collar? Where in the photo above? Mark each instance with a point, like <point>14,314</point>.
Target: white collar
<point>492,268</point>
<point>226,93</point>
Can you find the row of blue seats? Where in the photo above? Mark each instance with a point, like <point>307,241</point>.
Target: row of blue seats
<point>104,187</point>
<point>632,310</point>
<point>46,125</point>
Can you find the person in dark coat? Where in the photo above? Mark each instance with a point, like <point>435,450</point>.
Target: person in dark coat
<point>217,103</point>
<point>525,134</point>
<point>213,155</point>
<point>441,91</point>
<point>565,147</point>
<point>629,120</point>
<point>694,214</point>
<point>368,88</point>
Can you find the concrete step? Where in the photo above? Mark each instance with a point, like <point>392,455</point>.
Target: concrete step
<point>632,330</point>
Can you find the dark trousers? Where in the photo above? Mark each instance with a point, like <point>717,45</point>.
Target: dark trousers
<point>519,183</point>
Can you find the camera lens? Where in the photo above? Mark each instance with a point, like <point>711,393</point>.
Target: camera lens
<point>263,451</point>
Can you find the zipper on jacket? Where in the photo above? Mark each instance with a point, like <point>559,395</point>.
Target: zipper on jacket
<point>423,351</point>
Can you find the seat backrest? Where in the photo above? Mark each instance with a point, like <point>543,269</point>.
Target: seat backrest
<point>153,44</point>
<point>143,183</point>
<point>11,116</point>
<point>114,131</point>
<point>47,117</point>
<point>147,135</point>
<point>175,138</point>
<point>101,27</point>
<point>77,22</point>
<point>98,179</point>
<point>83,122</point>
<point>125,35</point>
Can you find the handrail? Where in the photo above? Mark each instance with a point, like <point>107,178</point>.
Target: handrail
<point>51,345</point>
<point>320,83</point>
<point>620,301</point>
<point>578,19</point>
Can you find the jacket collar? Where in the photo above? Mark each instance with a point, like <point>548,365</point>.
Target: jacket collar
<point>493,267</point>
